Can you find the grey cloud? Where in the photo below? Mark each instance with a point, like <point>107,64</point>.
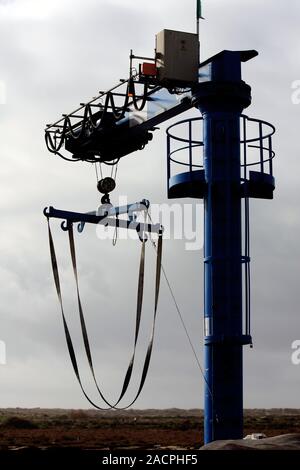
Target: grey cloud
<point>49,65</point>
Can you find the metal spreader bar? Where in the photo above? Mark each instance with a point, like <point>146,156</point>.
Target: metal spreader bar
<point>92,218</point>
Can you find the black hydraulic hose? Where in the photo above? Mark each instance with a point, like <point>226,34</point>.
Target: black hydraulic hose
<point>131,86</point>
<point>88,117</point>
<point>118,115</point>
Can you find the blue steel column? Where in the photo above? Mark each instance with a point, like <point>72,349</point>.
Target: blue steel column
<point>221,104</point>
<point>223,278</point>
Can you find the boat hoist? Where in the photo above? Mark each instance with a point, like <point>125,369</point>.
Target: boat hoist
<point>223,157</point>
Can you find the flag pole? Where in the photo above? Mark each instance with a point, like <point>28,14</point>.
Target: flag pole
<point>198,17</point>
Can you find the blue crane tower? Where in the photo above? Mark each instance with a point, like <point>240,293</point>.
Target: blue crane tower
<point>231,163</point>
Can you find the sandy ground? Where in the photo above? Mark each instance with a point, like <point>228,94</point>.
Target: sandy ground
<point>147,429</point>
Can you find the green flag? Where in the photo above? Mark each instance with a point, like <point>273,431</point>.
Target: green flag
<point>199,9</point>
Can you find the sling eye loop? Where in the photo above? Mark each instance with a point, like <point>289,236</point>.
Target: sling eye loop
<point>141,234</point>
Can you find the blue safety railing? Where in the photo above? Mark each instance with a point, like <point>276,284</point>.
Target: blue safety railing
<point>185,155</point>
<point>184,146</point>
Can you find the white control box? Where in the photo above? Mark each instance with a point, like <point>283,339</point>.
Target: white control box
<point>177,57</point>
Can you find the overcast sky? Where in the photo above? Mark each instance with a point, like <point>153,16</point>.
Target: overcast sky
<point>55,54</point>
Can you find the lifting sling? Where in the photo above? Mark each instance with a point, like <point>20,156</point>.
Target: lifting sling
<point>84,331</point>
